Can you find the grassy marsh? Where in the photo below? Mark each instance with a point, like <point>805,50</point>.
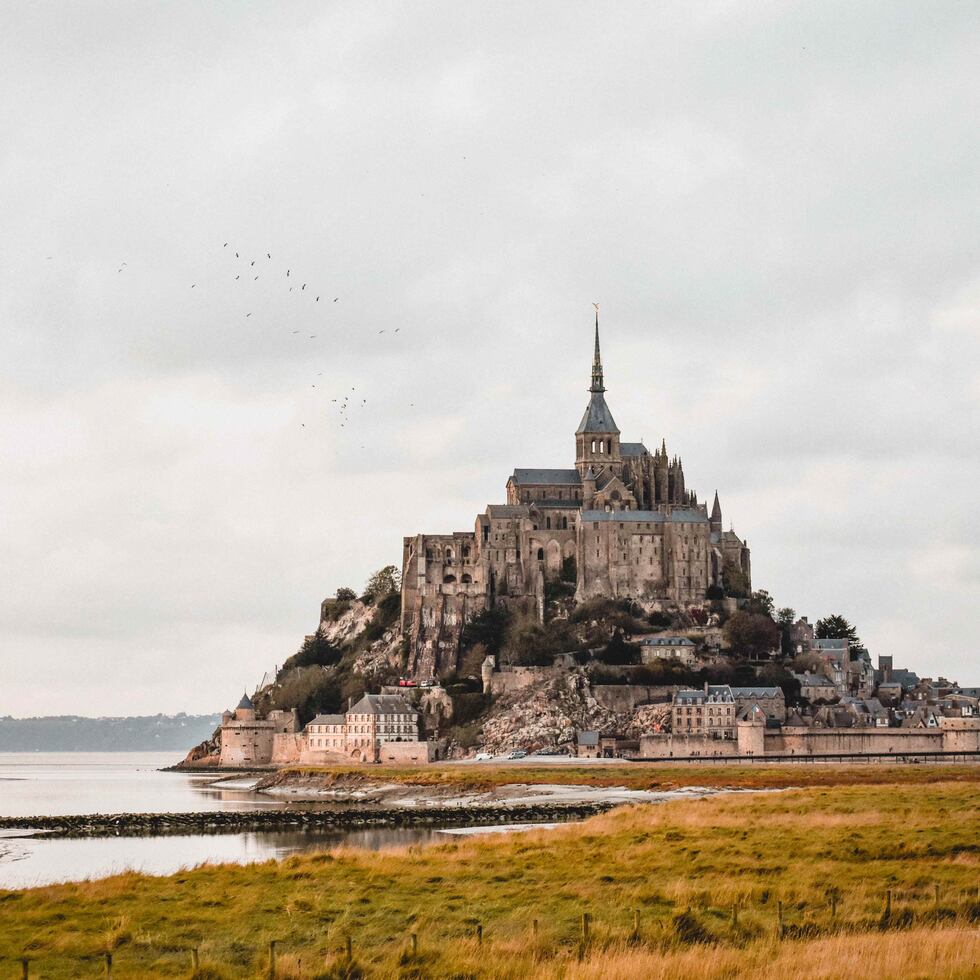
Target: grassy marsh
<point>685,865</point>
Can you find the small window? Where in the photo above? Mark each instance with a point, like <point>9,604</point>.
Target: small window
<point>540,554</point>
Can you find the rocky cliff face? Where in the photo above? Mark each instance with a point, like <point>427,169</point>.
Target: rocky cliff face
<point>550,712</point>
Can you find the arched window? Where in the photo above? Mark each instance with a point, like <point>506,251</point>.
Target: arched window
<point>448,579</point>
<point>540,554</point>
<point>449,554</point>
<point>547,523</point>
<point>564,523</point>
<point>466,552</point>
<point>466,579</point>
<point>593,445</point>
<point>602,445</point>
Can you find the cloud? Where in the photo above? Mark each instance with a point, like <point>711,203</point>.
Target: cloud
<point>770,203</point>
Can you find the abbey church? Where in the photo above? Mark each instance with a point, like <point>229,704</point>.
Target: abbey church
<point>620,524</point>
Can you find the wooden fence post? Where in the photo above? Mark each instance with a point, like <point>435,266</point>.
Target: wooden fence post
<point>636,923</point>
<point>534,929</point>
<point>833,904</point>
<point>779,919</point>
<point>415,944</point>
<point>195,961</point>
<point>937,892</point>
<point>25,968</point>
<point>586,925</point>
<point>479,934</point>
<point>108,965</point>
<point>888,905</point>
<point>272,957</point>
<point>734,915</point>
<point>350,948</point>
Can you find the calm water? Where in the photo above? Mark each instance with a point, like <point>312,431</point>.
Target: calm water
<point>116,782</point>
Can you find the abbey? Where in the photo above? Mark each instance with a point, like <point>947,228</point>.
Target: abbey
<point>620,524</point>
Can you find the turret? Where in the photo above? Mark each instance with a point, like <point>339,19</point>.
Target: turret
<point>588,489</point>
<point>716,516</point>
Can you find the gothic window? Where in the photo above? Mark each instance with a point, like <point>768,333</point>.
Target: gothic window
<point>564,523</point>
<point>602,445</point>
<point>593,445</point>
<point>449,554</point>
<point>428,554</point>
<point>466,552</point>
<point>540,554</point>
<point>559,494</point>
<point>466,580</point>
<point>547,523</point>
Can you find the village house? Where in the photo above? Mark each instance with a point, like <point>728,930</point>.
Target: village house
<point>657,648</point>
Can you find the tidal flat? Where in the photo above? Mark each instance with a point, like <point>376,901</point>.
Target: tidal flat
<point>873,875</point>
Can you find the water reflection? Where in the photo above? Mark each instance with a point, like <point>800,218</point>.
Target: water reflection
<point>26,862</point>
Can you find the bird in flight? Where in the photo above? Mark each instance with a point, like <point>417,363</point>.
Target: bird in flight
<point>236,255</point>
<point>312,336</point>
<point>247,315</point>
<point>238,277</point>
<point>318,299</point>
<point>253,261</point>
<point>397,329</point>
<point>225,245</point>
<point>304,285</point>
<point>193,284</point>
<point>267,255</point>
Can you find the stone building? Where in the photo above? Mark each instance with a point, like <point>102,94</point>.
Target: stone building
<point>249,740</point>
<point>363,733</point>
<point>620,523</point>
<point>657,648</point>
<point>710,712</point>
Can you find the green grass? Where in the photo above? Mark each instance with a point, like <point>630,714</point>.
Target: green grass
<point>640,775</point>
<point>684,865</point>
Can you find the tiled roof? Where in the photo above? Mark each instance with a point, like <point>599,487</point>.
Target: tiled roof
<point>633,449</point>
<point>597,417</point>
<point>327,720</point>
<point>381,704</point>
<point>646,516</point>
<point>547,477</point>
<point>588,738</point>
<point>667,641</point>
<point>757,692</point>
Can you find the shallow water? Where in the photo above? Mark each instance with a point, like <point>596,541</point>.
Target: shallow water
<point>55,784</point>
<point>59,783</point>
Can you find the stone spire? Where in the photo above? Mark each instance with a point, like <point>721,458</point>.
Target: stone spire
<point>597,385</point>
<point>716,515</point>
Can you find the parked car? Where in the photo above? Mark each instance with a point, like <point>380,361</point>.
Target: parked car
<point>482,757</point>
<point>517,754</point>
<point>406,682</point>
<point>429,683</point>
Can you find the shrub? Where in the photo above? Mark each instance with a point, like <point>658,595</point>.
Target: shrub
<point>345,594</point>
<point>618,651</point>
<point>714,592</point>
<point>661,620</point>
<point>383,582</point>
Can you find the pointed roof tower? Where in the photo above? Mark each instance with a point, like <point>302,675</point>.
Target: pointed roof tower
<point>597,417</point>
<point>716,509</point>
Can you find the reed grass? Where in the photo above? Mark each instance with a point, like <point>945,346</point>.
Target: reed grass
<point>709,877</point>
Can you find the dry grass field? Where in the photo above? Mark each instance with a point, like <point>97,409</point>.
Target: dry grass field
<point>877,876</point>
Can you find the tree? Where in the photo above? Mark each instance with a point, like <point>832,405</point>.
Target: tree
<point>383,582</point>
<point>784,620</point>
<point>762,602</point>
<point>836,627</point>
<point>617,651</point>
<point>736,582</point>
<point>346,595</point>
<point>751,634</point>
<point>316,650</point>
<point>488,628</point>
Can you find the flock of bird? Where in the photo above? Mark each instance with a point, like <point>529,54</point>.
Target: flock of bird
<point>258,267</point>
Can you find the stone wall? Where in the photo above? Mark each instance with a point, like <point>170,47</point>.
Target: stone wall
<point>407,753</point>
<point>247,742</point>
<point>509,679</point>
<point>623,698</point>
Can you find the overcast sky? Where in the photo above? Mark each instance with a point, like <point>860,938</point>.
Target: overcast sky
<point>776,205</point>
